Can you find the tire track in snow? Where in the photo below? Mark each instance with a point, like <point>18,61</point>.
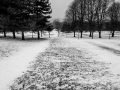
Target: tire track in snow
<point>115,51</point>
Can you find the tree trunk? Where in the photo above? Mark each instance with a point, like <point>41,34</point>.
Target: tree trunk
<point>100,34</point>
<point>38,34</point>
<point>78,35</point>
<point>109,35</point>
<point>23,37</point>
<point>4,33</point>
<point>32,34</point>
<point>90,34</point>
<point>74,33</point>
<point>81,34</point>
<point>14,34</point>
<point>49,34</point>
<point>41,33</point>
<point>58,33</point>
<point>113,33</point>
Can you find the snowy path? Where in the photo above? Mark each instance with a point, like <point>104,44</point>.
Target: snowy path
<point>75,63</point>
<point>14,66</point>
<point>107,54</point>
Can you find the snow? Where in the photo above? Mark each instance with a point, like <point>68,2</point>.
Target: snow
<point>96,63</point>
<point>16,63</point>
<point>93,46</point>
<point>102,54</point>
<point>102,50</point>
<point>91,49</point>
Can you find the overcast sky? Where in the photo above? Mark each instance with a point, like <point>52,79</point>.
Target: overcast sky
<point>59,7</point>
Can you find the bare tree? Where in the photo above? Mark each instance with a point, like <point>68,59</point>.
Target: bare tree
<point>57,25</point>
<point>114,14</point>
<point>91,12</point>
<point>71,15</point>
<point>81,13</point>
<point>102,6</point>
<point>91,15</point>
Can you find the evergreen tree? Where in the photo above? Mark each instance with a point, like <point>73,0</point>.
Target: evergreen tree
<point>49,28</point>
<point>20,15</point>
<point>4,16</point>
<point>42,9</point>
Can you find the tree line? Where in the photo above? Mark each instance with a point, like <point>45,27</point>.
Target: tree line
<point>25,16</point>
<point>92,15</point>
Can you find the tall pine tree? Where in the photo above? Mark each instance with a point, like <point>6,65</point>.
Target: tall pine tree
<point>42,9</point>
<point>4,16</point>
<point>21,13</point>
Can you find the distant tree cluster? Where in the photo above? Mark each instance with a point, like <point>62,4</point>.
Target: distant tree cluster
<point>57,24</point>
<point>24,16</point>
<point>92,15</point>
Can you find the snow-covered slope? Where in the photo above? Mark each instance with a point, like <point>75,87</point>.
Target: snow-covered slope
<point>18,59</point>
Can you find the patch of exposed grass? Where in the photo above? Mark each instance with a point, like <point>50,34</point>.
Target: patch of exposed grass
<point>64,68</point>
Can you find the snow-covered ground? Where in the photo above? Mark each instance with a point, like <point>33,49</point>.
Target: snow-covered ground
<point>104,51</point>
<point>15,57</point>
<point>75,63</point>
<point>108,53</point>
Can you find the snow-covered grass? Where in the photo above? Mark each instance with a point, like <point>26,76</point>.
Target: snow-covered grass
<point>105,35</point>
<point>69,63</point>
<point>8,46</point>
<point>15,57</point>
<point>72,64</point>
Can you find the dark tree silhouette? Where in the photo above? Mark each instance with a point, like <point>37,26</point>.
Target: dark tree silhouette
<point>102,6</point>
<point>4,5</point>
<point>49,28</point>
<point>91,15</point>
<point>81,13</point>
<point>71,16</point>
<point>21,13</point>
<point>57,25</point>
<point>42,9</point>
<point>114,13</point>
